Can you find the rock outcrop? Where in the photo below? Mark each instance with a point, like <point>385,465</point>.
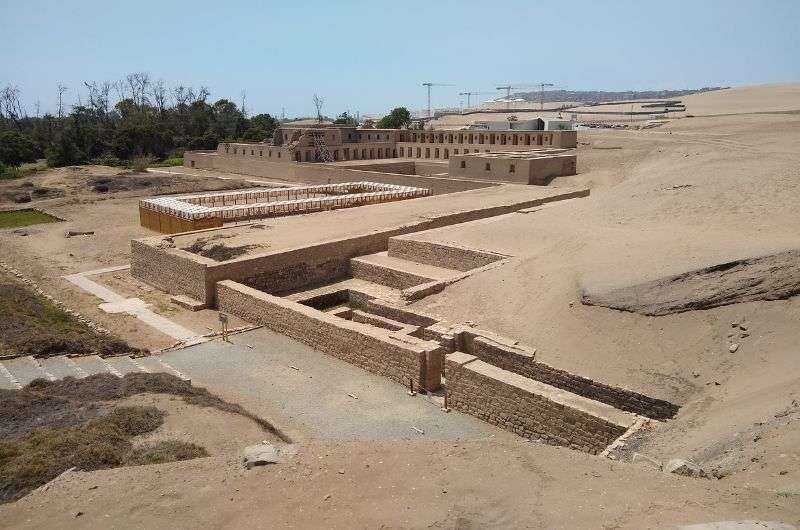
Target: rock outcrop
<point>771,277</point>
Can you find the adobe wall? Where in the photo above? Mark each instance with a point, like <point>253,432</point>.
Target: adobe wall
<point>287,270</point>
<point>520,362</point>
<point>199,159</point>
<point>534,170</point>
<point>321,174</point>
<point>529,408</point>
<point>171,270</point>
<point>303,265</point>
<point>328,174</point>
<point>365,346</point>
<point>438,255</point>
<point>169,224</point>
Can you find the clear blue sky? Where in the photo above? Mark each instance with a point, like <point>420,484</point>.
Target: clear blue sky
<point>373,55</point>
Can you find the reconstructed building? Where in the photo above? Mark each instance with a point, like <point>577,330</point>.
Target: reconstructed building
<point>522,167</point>
<point>336,143</point>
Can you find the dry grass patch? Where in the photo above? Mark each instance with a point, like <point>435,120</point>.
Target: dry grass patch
<point>32,325</point>
<point>49,427</point>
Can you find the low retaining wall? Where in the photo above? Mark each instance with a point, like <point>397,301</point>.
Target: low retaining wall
<point>529,408</point>
<point>372,349</point>
<point>170,224</point>
<point>445,256</point>
<point>172,270</point>
<point>521,362</point>
<point>304,265</point>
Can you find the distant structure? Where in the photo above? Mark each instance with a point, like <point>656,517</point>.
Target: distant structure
<point>337,143</point>
<point>522,167</point>
<point>536,124</point>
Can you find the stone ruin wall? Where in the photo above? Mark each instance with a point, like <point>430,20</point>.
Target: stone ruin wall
<point>171,270</point>
<point>496,397</point>
<point>517,362</point>
<point>369,348</point>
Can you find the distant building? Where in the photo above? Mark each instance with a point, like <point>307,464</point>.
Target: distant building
<point>338,143</point>
<point>536,124</point>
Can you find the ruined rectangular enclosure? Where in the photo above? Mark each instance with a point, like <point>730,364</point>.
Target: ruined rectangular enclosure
<point>348,297</point>
<point>185,213</point>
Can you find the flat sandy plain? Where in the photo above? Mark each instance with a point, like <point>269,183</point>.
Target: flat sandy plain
<point>693,192</point>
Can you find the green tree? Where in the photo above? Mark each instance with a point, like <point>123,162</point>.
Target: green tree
<point>64,151</point>
<point>345,119</point>
<point>399,117</point>
<point>229,120</point>
<point>16,148</point>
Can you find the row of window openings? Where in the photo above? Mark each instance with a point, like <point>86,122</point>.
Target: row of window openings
<point>481,139</point>
<point>380,155</point>
<point>488,166</point>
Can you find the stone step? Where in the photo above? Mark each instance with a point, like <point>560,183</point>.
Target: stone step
<point>26,369</point>
<point>61,367</point>
<point>394,272</point>
<point>94,364</point>
<point>7,379</point>
<point>155,365</point>
<point>125,365</point>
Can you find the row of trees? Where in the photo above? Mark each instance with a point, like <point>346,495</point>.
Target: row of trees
<point>132,117</point>
<point>115,122</point>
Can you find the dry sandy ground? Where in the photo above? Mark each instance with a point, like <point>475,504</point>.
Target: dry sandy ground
<point>686,194</point>
<point>697,192</point>
<point>45,255</point>
<point>777,98</point>
<point>472,485</point>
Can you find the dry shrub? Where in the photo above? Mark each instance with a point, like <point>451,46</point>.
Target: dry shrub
<point>27,463</point>
<point>163,452</point>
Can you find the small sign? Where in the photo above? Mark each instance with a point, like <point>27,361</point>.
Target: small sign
<point>223,318</point>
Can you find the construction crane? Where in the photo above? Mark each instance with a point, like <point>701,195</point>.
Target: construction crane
<point>541,93</point>
<point>540,86</point>
<point>429,85</point>
<point>470,94</point>
<point>508,88</point>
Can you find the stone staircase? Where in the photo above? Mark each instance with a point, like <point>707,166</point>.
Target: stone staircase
<point>17,372</point>
<point>397,273</point>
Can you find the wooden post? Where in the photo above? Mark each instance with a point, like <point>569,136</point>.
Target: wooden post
<point>411,387</point>
<point>223,319</point>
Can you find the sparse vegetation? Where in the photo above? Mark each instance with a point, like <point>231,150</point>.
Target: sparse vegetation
<point>17,218</point>
<point>32,325</point>
<point>163,452</point>
<point>29,461</point>
<point>169,162</point>
<point>217,251</point>
<point>49,427</point>
<point>141,163</point>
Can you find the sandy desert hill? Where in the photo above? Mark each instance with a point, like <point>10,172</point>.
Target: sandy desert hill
<point>783,97</point>
<point>697,192</point>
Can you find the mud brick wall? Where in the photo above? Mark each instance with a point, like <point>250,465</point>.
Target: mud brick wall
<point>448,257</point>
<point>512,403</point>
<point>299,267</point>
<point>385,275</point>
<point>359,344</point>
<point>518,362</point>
<point>171,270</point>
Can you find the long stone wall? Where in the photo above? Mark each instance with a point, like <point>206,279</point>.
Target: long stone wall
<point>445,256</point>
<point>529,408</point>
<point>365,346</point>
<point>172,270</point>
<point>328,174</point>
<point>521,362</point>
<point>304,265</point>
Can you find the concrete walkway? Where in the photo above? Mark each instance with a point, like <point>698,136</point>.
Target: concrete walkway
<point>115,303</point>
<point>309,395</point>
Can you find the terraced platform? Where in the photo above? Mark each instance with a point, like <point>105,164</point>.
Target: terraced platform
<point>18,372</point>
